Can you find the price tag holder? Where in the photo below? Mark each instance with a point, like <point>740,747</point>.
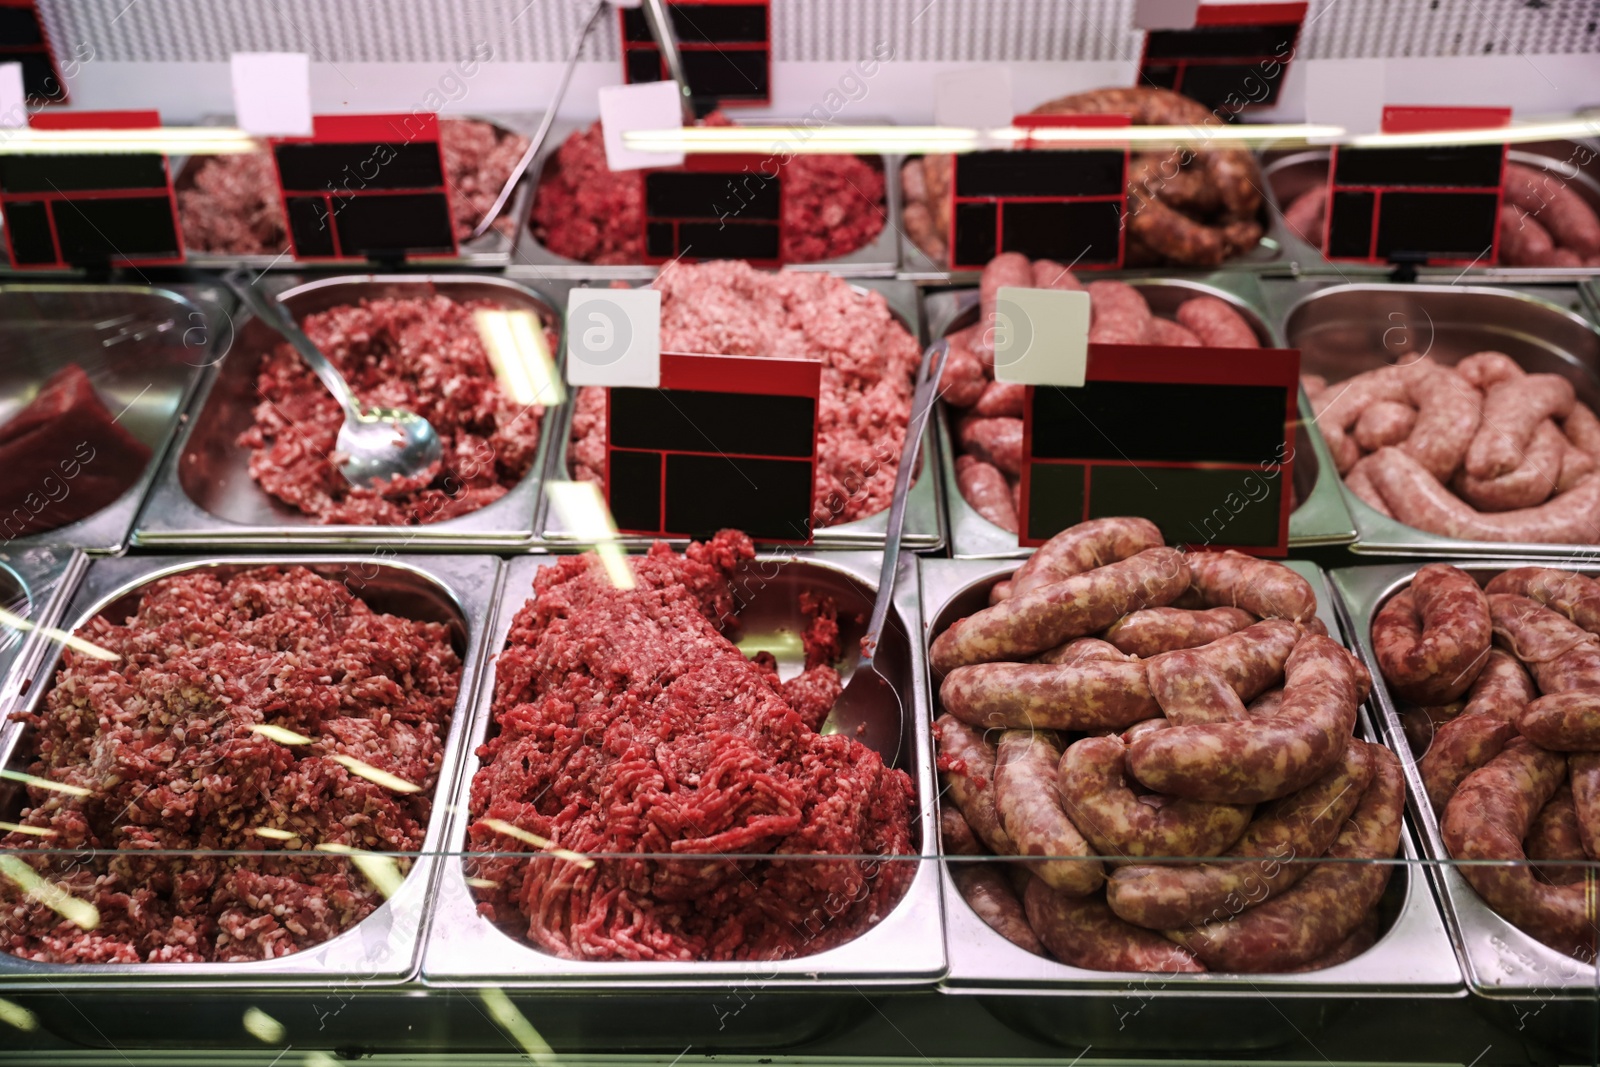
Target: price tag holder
<point>1041,336</point>
<point>726,441</point>
<point>91,210</point>
<point>1065,205</point>
<point>614,337</point>
<point>1200,441</point>
<point>714,207</point>
<point>24,40</point>
<point>366,187</point>
<point>1435,204</point>
<point>1234,58</point>
<point>725,45</point>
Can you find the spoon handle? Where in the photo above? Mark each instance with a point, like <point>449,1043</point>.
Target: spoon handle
<point>271,312</point>
<point>922,400</point>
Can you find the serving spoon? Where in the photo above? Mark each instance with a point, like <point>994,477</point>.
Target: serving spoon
<point>869,709</point>
<point>380,443</point>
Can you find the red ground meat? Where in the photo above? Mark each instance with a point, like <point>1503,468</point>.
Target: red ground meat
<point>832,205</point>
<point>233,206</point>
<point>627,723</point>
<point>163,740</point>
<point>423,355</point>
<point>868,365</point>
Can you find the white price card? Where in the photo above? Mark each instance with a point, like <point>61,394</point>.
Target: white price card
<point>977,98</point>
<point>13,99</point>
<point>1041,336</point>
<point>634,108</point>
<point>614,337</point>
<point>1348,93</point>
<point>272,93</point>
<point>1165,14</point>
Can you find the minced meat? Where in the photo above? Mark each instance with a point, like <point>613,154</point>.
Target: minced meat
<point>420,355</point>
<point>868,359</point>
<point>628,723</point>
<point>162,739</point>
<point>832,205</point>
<point>233,205</point>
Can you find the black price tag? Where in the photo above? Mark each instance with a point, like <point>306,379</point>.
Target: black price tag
<point>23,40</point>
<point>1429,204</point>
<point>727,441</point>
<point>90,210</point>
<point>1234,58</point>
<point>725,45</point>
<point>714,207</point>
<point>1066,205</point>
<point>1199,441</point>
<point>366,187</point>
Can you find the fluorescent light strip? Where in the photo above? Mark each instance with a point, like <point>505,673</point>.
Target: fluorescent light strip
<point>175,140</point>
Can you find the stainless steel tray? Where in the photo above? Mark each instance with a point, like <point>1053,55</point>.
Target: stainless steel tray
<point>1498,959</point>
<point>1321,518</point>
<point>532,259</point>
<point>905,949</point>
<point>35,584</point>
<point>1288,174</point>
<point>205,496</point>
<point>383,948</point>
<point>493,249</point>
<point>924,529</point>
<point>1412,957</point>
<point>1344,329</point>
<point>145,348</point>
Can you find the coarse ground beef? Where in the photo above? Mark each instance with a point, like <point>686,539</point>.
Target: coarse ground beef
<point>832,205</point>
<point>422,355</point>
<point>629,723</point>
<point>233,205</point>
<point>163,740</point>
<point>868,359</point>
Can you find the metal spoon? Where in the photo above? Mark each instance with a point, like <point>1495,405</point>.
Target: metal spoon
<point>869,709</point>
<point>377,443</point>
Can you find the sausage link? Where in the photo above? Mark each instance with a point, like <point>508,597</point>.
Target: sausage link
<point>1034,620</point>
<point>1267,704</point>
<point>1048,274</point>
<point>1419,499</point>
<point>1502,689</point>
<point>1340,406</point>
<point>1119,315</point>
<point>1083,932</point>
<point>1488,819</point>
<point>1573,595</point>
<point>1385,422</point>
<point>964,378</point>
<point>1512,410</point>
<point>985,489</point>
<point>1582,428</point>
<point>1576,465</point>
<point>997,442</point>
<point>1568,721</point>
<point>1560,208</point>
<point>1261,759</point>
<point>1359,481</point>
<point>1364,937</point>
<point>1005,400</point>
<point>1082,650</point>
<point>1484,369</point>
<point>1216,323</point>
<point>1266,589</point>
<point>1154,630</point>
<point>1449,413</point>
<point>1561,654</point>
<point>1583,773</point>
<point>1460,747</point>
<point>1212,683</point>
<point>1030,809</point>
<point>967,760</point>
<point>988,892</point>
<point>1088,695</point>
<point>956,836</point>
<point>1167,332</point>
<point>1084,547</point>
<point>1523,241</point>
<point>1006,269</point>
<point>1119,822</point>
<point>1554,837</point>
<point>1432,639</point>
<point>1171,234</point>
<point>1305,215</point>
<point>1533,481</point>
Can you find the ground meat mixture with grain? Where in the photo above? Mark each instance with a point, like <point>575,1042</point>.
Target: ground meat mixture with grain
<point>162,740</point>
<point>233,207</point>
<point>628,722</point>
<point>422,355</point>
<point>832,205</point>
<point>868,359</point>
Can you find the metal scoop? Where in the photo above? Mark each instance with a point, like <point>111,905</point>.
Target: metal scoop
<point>380,443</point>
<point>869,709</point>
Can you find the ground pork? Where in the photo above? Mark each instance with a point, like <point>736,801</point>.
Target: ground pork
<point>627,722</point>
<point>868,365</point>
<point>422,355</point>
<point>162,739</point>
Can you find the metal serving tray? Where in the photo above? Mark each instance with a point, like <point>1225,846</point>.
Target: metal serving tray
<point>1288,174</point>
<point>493,249</point>
<point>1499,960</point>
<point>924,528</point>
<point>145,348</point>
<point>382,949</point>
<point>1345,329</point>
<point>905,950</point>
<point>206,497</point>
<point>1321,518</point>
<point>35,584</point>
<point>1412,957</point>
<point>532,259</point>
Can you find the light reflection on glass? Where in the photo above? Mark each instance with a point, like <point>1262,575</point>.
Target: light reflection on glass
<point>581,510</point>
<point>520,356</point>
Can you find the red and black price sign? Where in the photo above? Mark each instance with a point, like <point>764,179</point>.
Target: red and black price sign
<point>714,207</point>
<point>726,441</point>
<point>24,40</point>
<point>366,187</point>
<point>1234,58</point>
<point>725,45</point>
<point>1062,204</point>
<point>1144,435</point>
<point>92,210</point>
<point>1428,204</point>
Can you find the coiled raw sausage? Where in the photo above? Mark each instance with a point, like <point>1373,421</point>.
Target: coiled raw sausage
<point>1030,809</point>
<point>1432,639</point>
<point>988,892</point>
<point>1155,630</point>
<point>1083,932</point>
<point>967,761</point>
<point>1561,654</point>
<point>1093,694</point>
<point>1212,683</point>
<point>1512,410</point>
<point>1573,595</point>
<point>1266,589</point>
<point>1084,547</point>
<point>1419,499</point>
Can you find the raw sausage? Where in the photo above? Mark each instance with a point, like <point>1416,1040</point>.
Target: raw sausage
<point>1535,479</point>
<point>1583,772</point>
<point>964,378</point>
<point>1006,269</point>
<point>1573,595</point>
<point>1512,410</point>
<point>1216,323</point>
<point>1561,654</point>
<point>1568,721</point>
<point>1460,747</point>
<point>995,441</point>
<point>988,892</point>
<point>967,761</point>
<point>1087,695</point>
<point>1523,242</point>
<point>1418,499</point>
<point>1085,547</point>
<point>1432,639</point>
<point>1358,480</point>
<point>1048,274</point>
<point>1005,399</point>
<point>1030,809</point>
<point>1554,835</point>
<point>1449,412</point>
<point>1212,683</point>
<point>1305,215</point>
<point>1120,315</point>
<point>1083,932</point>
<point>1582,428</point>
<point>1561,209</point>
<point>1082,649</point>
<point>1263,588</point>
<point>1145,633</point>
<point>1167,332</point>
<point>1484,369</point>
<point>955,834</point>
<point>984,487</point>
<point>1385,422</point>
